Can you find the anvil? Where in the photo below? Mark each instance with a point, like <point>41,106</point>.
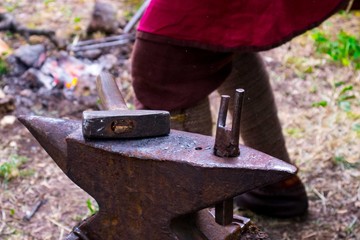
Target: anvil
<point>153,188</point>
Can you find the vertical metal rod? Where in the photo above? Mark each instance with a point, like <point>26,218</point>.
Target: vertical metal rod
<point>224,105</point>
<point>235,130</point>
<point>136,17</point>
<point>227,145</point>
<point>224,212</point>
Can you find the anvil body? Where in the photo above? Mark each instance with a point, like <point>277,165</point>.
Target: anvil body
<point>147,188</point>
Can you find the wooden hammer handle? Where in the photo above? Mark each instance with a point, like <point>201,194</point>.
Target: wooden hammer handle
<point>109,93</point>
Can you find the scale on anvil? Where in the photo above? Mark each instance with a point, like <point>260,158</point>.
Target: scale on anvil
<point>159,187</point>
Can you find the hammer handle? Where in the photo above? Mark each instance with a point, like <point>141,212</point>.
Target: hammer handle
<point>109,93</point>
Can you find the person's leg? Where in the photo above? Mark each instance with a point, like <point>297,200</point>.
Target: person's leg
<point>161,76</point>
<point>196,119</point>
<point>261,130</point>
<point>178,79</point>
<point>260,126</point>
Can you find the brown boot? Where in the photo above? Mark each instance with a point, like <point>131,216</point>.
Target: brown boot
<point>285,199</point>
<point>261,130</point>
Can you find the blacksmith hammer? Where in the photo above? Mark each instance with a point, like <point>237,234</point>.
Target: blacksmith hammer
<point>118,121</point>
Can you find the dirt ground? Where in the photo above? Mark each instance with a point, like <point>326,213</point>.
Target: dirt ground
<point>324,142</point>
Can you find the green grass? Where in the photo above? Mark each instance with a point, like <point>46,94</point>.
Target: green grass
<point>11,7</point>
<point>131,6</point>
<point>47,2</point>
<point>340,160</point>
<point>93,208</point>
<point>356,128</point>
<point>344,97</point>
<point>294,132</point>
<point>322,103</point>
<point>77,19</point>
<point>3,67</point>
<point>11,168</point>
<point>344,49</point>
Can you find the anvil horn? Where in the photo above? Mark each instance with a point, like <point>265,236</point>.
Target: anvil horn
<point>51,134</point>
<point>144,186</point>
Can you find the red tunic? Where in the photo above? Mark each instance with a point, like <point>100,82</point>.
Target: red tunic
<point>182,62</point>
<point>230,25</point>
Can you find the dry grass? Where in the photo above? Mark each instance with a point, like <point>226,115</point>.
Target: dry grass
<point>321,140</point>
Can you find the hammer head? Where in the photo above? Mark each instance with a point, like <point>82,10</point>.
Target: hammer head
<point>123,124</point>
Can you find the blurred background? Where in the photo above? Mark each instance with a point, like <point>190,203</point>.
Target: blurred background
<point>315,77</point>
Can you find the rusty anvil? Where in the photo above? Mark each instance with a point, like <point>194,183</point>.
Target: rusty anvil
<point>153,188</point>
<point>160,187</point>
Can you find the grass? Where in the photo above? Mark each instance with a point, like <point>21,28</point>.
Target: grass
<point>322,103</point>
<point>47,2</point>
<point>11,168</point>
<point>350,228</point>
<point>93,208</point>
<point>3,67</point>
<point>294,132</point>
<point>344,49</point>
<point>356,128</point>
<point>11,7</point>
<point>77,19</point>
<point>344,95</point>
<point>131,6</point>
<point>341,161</point>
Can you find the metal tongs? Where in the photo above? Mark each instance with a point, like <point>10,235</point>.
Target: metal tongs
<point>112,41</point>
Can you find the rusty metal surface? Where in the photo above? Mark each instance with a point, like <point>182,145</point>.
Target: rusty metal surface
<point>227,139</point>
<point>143,187</point>
<point>227,145</point>
<point>125,124</point>
<point>51,134</point>
<point>206,223</point>
<point>224,212</point>
<point>72,236</point>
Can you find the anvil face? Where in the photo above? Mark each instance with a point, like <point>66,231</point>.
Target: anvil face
<point>142,185</point>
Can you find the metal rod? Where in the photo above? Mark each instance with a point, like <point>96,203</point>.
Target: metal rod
<point>80,234</point>
<point>235,130</point>
<point>102,40</point>
<point>227,145</point>
<point>136,17</point>
<point>114,40</point>
<point>224,212</point>
<point>224,105</point>
<point>101,45</point>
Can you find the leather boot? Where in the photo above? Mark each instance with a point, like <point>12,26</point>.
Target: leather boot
<point>261,130</point>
